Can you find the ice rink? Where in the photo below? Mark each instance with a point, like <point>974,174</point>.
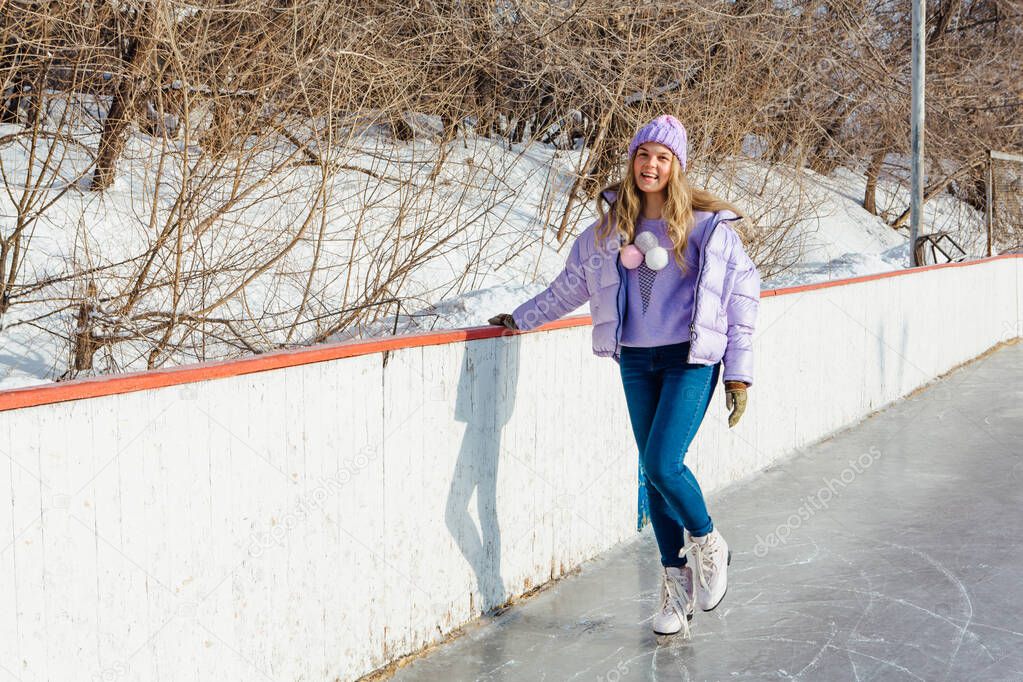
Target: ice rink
<point>891,551</point>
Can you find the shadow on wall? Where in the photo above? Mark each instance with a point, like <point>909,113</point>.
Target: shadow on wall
<point>885,347</point>
<point>485,401</point>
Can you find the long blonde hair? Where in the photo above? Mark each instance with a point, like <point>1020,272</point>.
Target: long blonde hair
<point>683,199</point>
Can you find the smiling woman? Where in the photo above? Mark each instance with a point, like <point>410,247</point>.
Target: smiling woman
<point>670,329</point>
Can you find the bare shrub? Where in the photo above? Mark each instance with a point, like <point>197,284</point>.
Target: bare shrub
<point>271,174</point>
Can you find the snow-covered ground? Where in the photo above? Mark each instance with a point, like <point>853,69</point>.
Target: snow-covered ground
<point>839,240</point>
<point>498,237</point>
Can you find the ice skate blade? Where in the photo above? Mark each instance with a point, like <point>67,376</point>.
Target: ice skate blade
<point>675,639</point>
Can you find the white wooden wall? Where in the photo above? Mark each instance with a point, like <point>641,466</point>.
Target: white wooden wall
<point>316,522</point>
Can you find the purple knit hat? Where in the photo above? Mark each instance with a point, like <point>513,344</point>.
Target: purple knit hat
<point>666,130</point>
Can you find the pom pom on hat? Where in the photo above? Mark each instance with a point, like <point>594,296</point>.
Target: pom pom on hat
<point>666,130</point>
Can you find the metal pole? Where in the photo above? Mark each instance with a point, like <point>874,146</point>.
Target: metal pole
<point>917,131</point>
<point>989,198</point>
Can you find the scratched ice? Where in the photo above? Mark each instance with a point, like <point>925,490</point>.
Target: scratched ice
<point>912,571</point>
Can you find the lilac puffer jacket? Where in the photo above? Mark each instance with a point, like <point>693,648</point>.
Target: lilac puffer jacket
<point>724,309</point>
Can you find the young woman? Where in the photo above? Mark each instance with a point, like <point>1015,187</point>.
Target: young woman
<point>673,296</point>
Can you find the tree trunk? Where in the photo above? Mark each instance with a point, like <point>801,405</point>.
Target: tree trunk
<point>85,342</point>
<point>820,161</point>
<point>115,125</point>
<point>873,171</point>
<point>111,140</point>
<point>948,9</point>
<point>10,101</point>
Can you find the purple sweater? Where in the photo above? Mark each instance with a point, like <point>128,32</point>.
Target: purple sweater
<point>659,303</point>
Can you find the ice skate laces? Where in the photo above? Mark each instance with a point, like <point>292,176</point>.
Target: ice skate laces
<point>703,557</point>
<point>675,597</point>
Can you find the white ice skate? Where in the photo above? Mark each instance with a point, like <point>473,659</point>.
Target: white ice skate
<point>709,558</point>
<point>676,602</point>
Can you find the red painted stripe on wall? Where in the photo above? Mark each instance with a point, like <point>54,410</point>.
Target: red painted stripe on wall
<point>79,389</point>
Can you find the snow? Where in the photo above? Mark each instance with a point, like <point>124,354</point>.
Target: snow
<point>473,308</point>
<point>839,241</point>
<point>496,216</point>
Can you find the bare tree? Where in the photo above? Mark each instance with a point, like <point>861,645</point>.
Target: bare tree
<point>291,169</point>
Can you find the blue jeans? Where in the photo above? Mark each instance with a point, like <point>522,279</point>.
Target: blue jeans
<point>667,399</point>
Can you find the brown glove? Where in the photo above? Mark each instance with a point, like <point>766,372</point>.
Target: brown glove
<point>735,400</point>
<point>503,320</point>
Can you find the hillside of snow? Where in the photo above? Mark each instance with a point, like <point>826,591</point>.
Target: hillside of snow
<point>496,216</point>
<point>840,240</point>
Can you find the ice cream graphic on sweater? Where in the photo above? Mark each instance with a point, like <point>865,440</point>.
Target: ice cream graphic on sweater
<point>646,284</point>
<point>659,303</point>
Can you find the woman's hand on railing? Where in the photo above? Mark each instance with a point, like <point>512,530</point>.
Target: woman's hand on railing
<point>503,320</point>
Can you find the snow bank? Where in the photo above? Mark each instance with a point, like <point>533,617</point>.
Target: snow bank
<point>495,216</point>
